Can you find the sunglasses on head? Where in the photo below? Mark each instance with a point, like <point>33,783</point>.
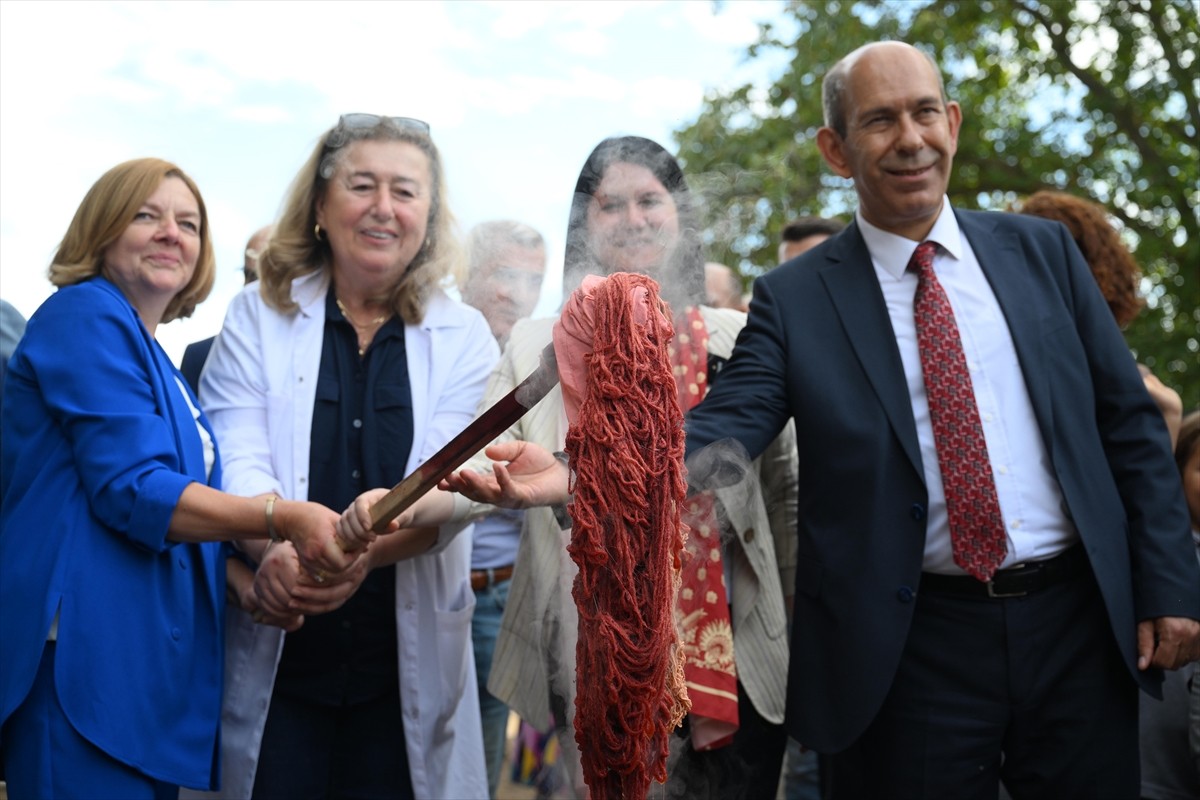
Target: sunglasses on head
<point>371,120</point>
<point>347,122</point>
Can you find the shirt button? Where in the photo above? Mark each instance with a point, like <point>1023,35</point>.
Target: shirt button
<point>1002,469</point>
<point>1016,523</point>
<point>357,423</point>
<point>749,536</point>
<point>355,474</point>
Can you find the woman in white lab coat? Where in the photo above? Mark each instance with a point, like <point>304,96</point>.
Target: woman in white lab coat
<point>344,370</point>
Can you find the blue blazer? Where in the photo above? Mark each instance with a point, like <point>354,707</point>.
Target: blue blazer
<point>819,348</point>
<point>98,444</point>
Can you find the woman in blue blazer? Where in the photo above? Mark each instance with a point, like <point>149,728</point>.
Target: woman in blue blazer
<point>112,571</point>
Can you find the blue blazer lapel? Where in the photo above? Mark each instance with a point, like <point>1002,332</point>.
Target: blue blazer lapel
<point>850,279</point>
<point>1003,261</point>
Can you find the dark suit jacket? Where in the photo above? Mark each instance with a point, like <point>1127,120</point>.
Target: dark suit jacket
<point>819,348</point>
<point>193,362</point>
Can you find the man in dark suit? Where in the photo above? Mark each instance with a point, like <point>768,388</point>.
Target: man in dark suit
<point>936,653</point>
<point>197,352</point>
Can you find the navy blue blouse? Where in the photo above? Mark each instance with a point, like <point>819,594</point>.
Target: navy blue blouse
<point>362,431</point>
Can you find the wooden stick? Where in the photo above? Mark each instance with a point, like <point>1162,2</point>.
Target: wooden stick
<point>473,438</point>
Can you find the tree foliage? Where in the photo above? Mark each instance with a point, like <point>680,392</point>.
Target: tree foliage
<point>1100,99</point>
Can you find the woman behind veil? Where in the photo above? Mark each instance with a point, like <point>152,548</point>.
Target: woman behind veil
<point>632,212</point>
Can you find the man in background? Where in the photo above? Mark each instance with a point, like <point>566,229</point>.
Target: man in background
<point>506,261</point>
<point>12,328</point>
<point>801,235</point>
<point>722,288</point>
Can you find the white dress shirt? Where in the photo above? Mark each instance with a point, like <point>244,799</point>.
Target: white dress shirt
<point>1031,501</point>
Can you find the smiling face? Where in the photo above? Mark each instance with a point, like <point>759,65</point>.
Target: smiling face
<point>506,285</point>
<point>156,255</point>
<point>632,221</point>
<point>375,211</point>
<point>900,139</point>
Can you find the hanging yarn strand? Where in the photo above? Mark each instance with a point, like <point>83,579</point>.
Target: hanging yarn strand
<point>626,450</point>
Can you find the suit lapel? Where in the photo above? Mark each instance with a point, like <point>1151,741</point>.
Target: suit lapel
<point>850,279</point>
<point>1004,265</point>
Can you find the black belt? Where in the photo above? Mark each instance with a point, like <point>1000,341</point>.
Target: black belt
<point>482,578</point>
<point>1022,579</point>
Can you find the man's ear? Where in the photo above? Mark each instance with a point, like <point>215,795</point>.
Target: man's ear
<point>954,121</point>
<point>830,145</point>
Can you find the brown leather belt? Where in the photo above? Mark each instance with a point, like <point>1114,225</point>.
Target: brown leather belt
<point>480,577</point>
<point>1017,581</point>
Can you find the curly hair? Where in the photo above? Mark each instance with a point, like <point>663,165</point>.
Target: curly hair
<point>294,249</point>
<point>1111,263</point>
<point>107,211</point>
<point>1188,441</point>
<point>682,281</point>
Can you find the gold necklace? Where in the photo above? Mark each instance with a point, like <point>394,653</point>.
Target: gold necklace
<point>362,348</point>
<point>377,321</point>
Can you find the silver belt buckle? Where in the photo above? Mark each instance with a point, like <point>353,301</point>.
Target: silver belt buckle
<point>991,589</point>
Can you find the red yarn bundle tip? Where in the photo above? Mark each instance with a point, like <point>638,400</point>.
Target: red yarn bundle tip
<point>626,450</point>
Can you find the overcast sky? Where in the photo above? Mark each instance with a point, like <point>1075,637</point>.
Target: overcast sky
<point>237,94</point>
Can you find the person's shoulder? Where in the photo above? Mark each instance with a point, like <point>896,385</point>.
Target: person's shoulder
<point>534,331</point>
<point>725,319</point>
<point>91,299</point>
<point>198,349</point>
<point>443,311</point>
<point>1008,221</point>
<point>527,339</point>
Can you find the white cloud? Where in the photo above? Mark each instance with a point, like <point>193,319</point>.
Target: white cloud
<point>238,92</point>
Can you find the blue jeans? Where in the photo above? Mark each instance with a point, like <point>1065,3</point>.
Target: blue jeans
<point>800,777</point>
<point>485,627</point>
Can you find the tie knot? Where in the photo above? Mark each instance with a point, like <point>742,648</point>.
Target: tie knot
<point>922,257</point>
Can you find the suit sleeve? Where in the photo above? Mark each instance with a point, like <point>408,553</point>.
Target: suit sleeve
<point>750,402</point>
<point>93,368</point>
<point>1166,580</point>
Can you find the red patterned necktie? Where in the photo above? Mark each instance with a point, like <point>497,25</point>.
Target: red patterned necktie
<point>973,511</point>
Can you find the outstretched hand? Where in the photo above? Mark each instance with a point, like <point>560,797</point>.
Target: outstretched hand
<point>524,475</point>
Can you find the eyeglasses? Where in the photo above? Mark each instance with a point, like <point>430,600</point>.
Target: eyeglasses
<point>350,122</point>
<point>371,120</point>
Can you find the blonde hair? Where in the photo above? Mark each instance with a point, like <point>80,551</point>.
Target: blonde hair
<point>295,251</point>
<point>108,210</point>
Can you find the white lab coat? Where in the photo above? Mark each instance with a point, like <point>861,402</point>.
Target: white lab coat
<point>258,389</point>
